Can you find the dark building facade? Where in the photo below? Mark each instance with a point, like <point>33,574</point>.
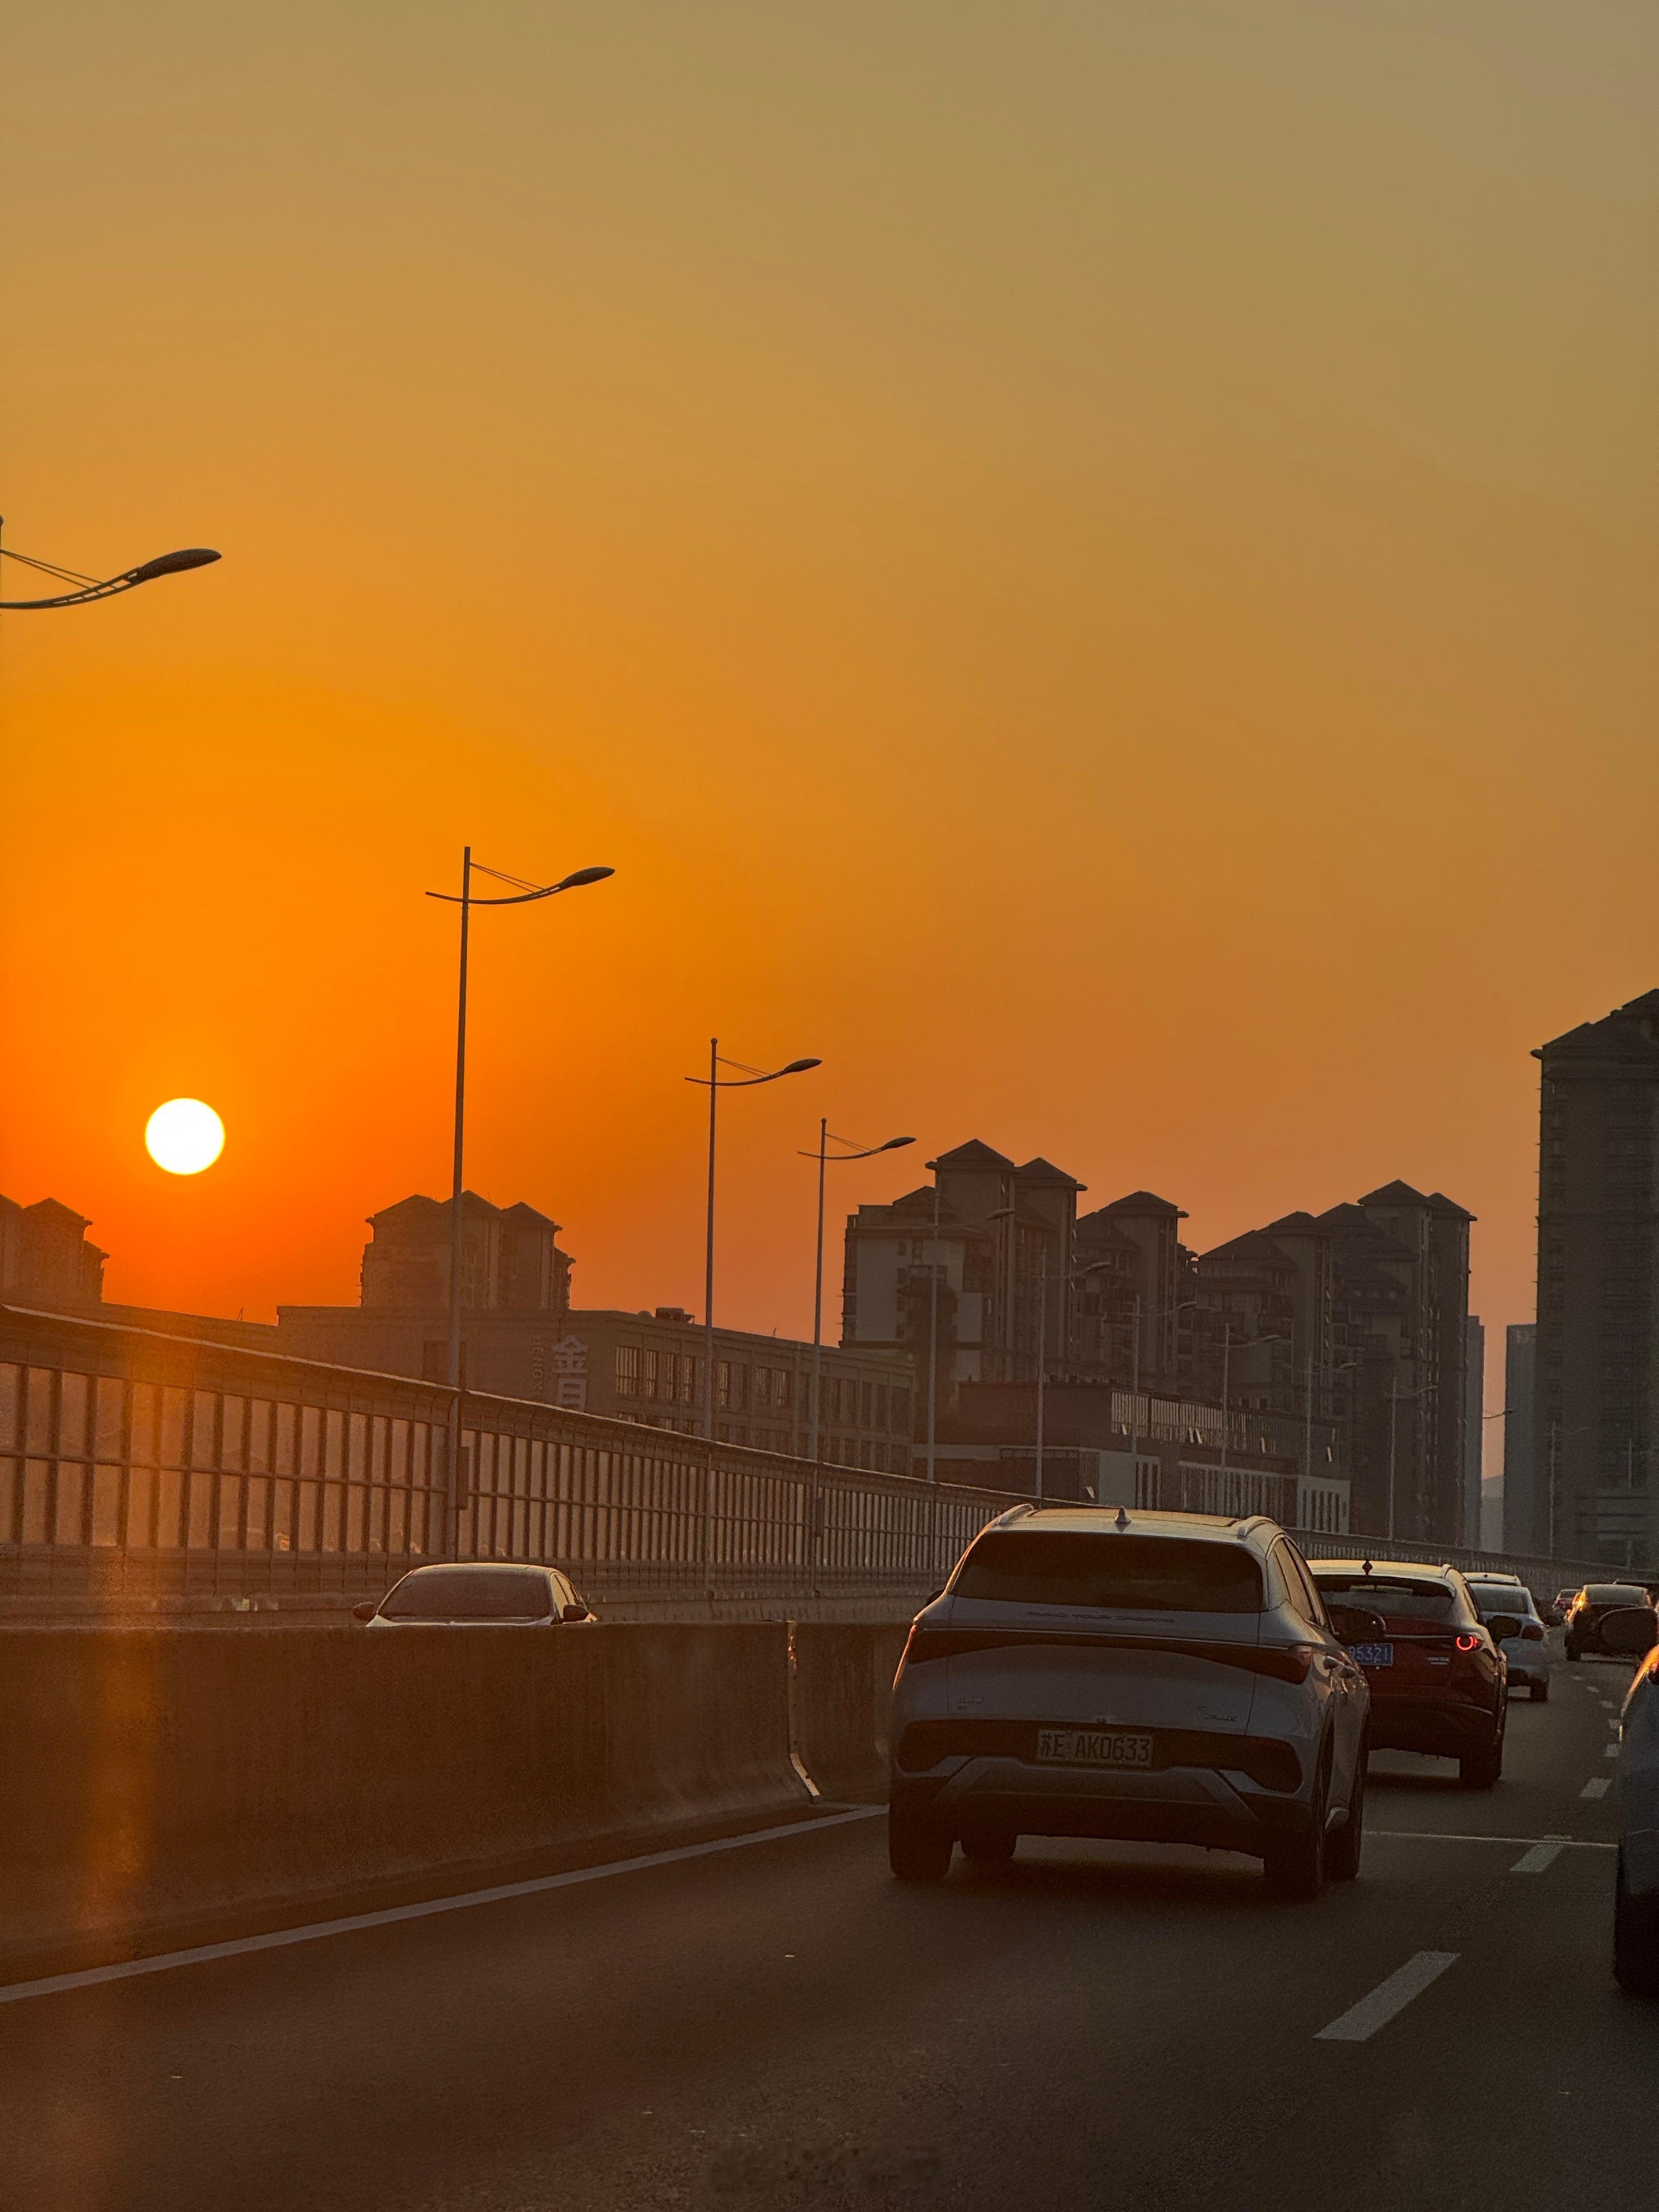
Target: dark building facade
<point>980,1262</point>
<point>1356,1320</point>
<point>1524,1528</point>
<point>521,1338</point>
<point>46,1260</point>
<point>49,1263</point>
<point>1597,1350</point>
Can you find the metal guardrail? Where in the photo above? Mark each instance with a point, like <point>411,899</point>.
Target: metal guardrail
<point>138,1467</point>
<point>142,1466</point>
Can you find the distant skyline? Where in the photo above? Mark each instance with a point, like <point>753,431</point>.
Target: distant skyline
<point>1092,565</point>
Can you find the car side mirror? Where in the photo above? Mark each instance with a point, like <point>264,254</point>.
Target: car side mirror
<point>365,1611</point>
<point>1500,1626</point>
<point>1354,1624</point>
<point>1628,1630</point>
<point>577,1612</point>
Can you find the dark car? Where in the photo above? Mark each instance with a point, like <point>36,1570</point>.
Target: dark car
<point>1439,1681</point>
<point>1583,1620</point>
<point>479,1594</point>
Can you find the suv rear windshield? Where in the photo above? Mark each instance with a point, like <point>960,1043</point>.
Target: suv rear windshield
<point>460,1593</point>
<point>1152,1574</point>
<point>1407,1603</point>
<point>1616,1594</point>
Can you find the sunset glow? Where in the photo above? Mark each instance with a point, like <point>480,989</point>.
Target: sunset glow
<point>1063,571</point>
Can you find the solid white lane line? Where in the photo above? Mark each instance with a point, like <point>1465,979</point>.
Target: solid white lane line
<point>1599,1788</point>
<point>1424,1836</point>
<point>1540,1855</point>
<point>318,1931</point>
<point>1361,2021</point>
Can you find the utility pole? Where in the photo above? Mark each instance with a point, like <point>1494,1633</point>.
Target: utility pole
<point>1134,1392</point>
<point>1226,1374</point>
<point>933,1337</point>
<point>1043,1363</point>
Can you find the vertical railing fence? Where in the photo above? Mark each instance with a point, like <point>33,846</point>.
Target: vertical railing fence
<point>142,1466</point>
<point>146,1465</point>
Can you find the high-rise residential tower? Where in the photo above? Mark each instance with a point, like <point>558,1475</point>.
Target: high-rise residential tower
<point>1597,1386</point>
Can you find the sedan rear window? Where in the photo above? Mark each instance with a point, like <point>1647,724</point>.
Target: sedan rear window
<point>1616,1594</point>
<point>457,1594</point>
<point>1502,1597</point>
<point>1407,1604</point>
<point>1154,1574</point>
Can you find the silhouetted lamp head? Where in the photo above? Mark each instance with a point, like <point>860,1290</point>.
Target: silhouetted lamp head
<point>584,876</point>
<point>800,1066</point>
<point>171,564</point>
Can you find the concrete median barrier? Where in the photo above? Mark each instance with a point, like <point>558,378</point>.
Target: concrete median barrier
<point>156,1789</point>
<point>843,1688</point>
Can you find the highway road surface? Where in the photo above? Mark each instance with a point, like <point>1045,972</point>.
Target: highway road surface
<point>778,2024</point>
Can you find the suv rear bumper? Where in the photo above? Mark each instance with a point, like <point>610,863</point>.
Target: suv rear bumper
<point>1174,1805</point>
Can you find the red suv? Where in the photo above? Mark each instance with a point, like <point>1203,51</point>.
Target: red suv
<point>1439,1682</point>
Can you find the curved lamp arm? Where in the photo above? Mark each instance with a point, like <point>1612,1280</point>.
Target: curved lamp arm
<point>523,898</point>
<point>166,564</point>
<point>748,1082</point>
<point>839,1159</point>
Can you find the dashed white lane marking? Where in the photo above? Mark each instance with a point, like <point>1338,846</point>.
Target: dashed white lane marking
<point>1599,1788</point>
<point>319,1931</point>
<point>1612,1752</point>
<point>1361,2021</point>
<point>1540,1855</point>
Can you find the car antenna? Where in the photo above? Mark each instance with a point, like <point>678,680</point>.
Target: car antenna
<point>1122,1520</point>
<point>1367,1567</point>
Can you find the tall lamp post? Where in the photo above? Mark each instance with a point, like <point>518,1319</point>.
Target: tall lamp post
<point>715,1082</point>
<point>522,893</point>
<point>84,590</point>
<point>826,1158</point>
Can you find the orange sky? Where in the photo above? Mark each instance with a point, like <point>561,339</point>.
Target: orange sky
<point>1091,564</point>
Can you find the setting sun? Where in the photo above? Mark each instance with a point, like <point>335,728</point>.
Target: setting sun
<point>183,1136</point>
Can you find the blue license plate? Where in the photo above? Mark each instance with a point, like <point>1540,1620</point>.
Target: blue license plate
<point>1374,1654</point>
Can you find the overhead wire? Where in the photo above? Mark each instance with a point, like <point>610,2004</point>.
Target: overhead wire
<point>48,567</point>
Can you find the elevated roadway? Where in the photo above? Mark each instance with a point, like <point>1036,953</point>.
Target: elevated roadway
<point>774,2023</point>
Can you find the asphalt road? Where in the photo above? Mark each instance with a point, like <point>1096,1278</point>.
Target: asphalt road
<point>781,2025</point>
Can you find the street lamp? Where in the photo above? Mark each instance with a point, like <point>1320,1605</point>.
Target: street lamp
<point>83,590</point>
<point>523,894</point>
<point>826,1157</point>
<point>716,1083</point>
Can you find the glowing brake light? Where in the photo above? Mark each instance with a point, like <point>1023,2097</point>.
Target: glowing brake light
<point>1468,1642</point>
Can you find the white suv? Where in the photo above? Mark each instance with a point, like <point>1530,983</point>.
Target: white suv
<point>1160,1677</point>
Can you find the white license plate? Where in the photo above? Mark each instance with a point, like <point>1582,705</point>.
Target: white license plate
<point>1093,1748</point>
<point>1374,1654</point>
